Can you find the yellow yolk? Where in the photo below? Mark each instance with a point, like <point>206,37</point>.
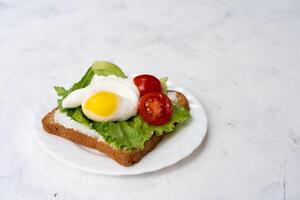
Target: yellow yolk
<point>102,103</point>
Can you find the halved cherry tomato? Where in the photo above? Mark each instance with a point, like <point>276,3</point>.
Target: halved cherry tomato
<point>147,83</point>
<point>155,108</point>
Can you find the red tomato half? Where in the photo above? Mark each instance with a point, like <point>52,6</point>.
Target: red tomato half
<point>155,108</point>
<point>147,83</point>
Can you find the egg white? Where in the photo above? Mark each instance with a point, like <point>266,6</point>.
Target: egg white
<point>128,96</point>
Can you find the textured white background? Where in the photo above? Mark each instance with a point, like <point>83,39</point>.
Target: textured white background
<point>240,58</point>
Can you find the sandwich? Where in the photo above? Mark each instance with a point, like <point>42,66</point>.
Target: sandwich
<point>122,117</point>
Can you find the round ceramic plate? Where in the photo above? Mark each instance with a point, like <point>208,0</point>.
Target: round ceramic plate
<point>173,148</point>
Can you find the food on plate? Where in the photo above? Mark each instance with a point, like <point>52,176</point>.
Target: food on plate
<point>155,108</point>
<point>147,83</point>
<point>105,99</point>
<point>123,117</point>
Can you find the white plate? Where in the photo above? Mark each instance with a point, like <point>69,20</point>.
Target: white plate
<point>169,151</point>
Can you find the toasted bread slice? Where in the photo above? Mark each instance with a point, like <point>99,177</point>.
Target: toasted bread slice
<point>123,157</point>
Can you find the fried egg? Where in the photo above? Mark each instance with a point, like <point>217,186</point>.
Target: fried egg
<point>106,99</point>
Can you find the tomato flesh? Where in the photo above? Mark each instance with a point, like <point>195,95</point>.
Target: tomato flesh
<point>155,108</point>
<point>147,83</point>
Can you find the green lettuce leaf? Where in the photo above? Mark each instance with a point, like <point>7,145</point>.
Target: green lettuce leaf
<point>104,68</point>
<point>78,115</point>
<point>61,91</point>
<point>133,133</point>
<point>84,81</point>
<point>163,82</point>
<point>122,134</point>
<point>179,115</point>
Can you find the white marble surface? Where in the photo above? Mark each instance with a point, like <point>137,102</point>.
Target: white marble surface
<point>240,58</point>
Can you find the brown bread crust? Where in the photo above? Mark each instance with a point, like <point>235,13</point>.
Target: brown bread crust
<point>123,157</point>
<point>181,99</point>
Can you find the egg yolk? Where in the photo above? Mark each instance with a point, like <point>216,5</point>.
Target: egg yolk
<point>102,103</point>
